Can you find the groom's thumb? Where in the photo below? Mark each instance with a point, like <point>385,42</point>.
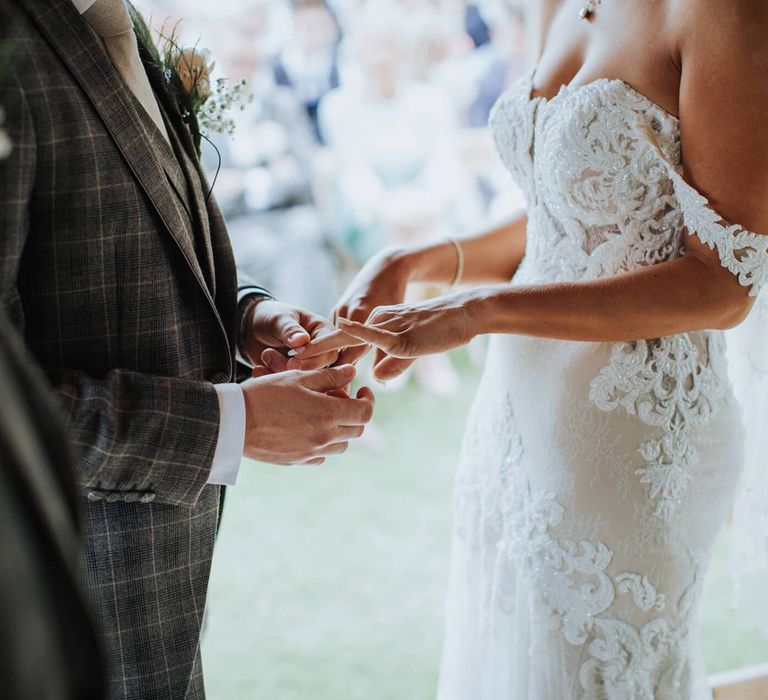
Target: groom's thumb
<point>290,332</point>
<point>325,380</point>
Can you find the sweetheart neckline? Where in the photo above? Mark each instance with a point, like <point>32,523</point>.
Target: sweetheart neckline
<point>569,88</point>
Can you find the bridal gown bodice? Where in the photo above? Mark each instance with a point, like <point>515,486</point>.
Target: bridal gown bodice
<point>594,476</point>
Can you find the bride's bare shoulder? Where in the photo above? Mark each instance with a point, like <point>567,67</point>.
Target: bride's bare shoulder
<point>723,100</point>
<point>720,25</point>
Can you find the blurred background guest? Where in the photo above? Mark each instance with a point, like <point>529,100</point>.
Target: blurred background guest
<point>264,178</point>
<point>398,176</point>
<point>501,59</point>
<point>476,26</point>
<point>308,61</point>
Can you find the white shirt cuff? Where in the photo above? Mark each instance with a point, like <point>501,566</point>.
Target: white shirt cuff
<point>82,5</point>
<point>229,448</point>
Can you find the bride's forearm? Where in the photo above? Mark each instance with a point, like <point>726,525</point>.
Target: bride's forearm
<point>682,295</point>
<point>491,256</point>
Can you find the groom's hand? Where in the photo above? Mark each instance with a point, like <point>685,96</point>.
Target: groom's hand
<point>271,329</point>
<point>303,417</point>
<point>382,282</point>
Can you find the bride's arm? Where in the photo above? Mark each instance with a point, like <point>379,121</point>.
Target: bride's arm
<point>723,100</point>
<point>683,295</point>
<point>724,133</point>
<point>490,256</point>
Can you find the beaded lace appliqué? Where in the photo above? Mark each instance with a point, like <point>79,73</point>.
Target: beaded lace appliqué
<point>606,197</point>
<point>670,386</point>
<point>576,591</point>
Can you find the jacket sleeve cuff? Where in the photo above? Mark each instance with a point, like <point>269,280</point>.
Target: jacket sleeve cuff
<point>244,294</point>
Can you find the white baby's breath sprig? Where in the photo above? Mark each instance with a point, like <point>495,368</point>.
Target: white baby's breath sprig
<point>215,114</point>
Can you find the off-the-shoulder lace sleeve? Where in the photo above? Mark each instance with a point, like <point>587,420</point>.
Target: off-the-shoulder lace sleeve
<point>742,252</point>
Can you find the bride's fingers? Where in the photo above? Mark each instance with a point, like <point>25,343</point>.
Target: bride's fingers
<point>353,355</point>
<point>390,367</point>
<point>386,340</point>
<point>330,342</point>
<point>379,356</point>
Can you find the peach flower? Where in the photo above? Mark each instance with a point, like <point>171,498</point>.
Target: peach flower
<point>195,67</point>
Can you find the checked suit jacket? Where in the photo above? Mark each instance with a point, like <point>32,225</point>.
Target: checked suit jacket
<point>118,271</point>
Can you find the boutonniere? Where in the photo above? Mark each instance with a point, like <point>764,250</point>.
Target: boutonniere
<point>205,105</point>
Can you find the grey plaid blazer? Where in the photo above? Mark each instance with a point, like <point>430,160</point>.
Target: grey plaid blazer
<point>122,280</point>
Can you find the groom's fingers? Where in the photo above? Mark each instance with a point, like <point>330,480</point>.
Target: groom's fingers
<point>325,380</point>
<point>330,342</point>
<point>274,360</point>
<point>364,393</point>
<point>291,332</point>
<point>350,412</point>
<point>337,448</point>
<point>261,371</point>
<point>314,462</point>
<point>314,362</point>
<point>350,432</point>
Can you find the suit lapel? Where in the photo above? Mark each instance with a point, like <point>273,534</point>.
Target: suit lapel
<point>200,213</point>
<point>173,169</point>
<point>123,116</point>
<point>218,247</point>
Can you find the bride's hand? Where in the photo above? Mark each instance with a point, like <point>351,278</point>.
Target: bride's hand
<point>381,282</point>
<point>407,331</point>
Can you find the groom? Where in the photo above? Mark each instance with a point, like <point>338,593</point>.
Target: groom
<point>117,268</point>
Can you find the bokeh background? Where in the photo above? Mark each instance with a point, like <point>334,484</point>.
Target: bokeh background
<point>366,128</point>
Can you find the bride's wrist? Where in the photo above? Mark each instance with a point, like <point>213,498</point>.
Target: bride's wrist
<point>404,262</point>
<point>485,307</point>
<point>429,263</point>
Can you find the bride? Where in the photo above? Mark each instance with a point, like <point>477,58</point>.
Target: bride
<point>597,468</point>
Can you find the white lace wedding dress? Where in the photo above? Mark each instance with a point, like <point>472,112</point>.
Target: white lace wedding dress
<point>594,476</point>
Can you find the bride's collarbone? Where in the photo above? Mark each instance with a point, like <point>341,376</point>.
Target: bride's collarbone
<point>620,44</point>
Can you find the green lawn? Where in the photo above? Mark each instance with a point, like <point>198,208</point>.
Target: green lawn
<point>328,583</point>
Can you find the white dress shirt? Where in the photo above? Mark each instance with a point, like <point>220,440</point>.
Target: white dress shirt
<point>231,438</point>
<point>229,447</point>
<point>83,5</point>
